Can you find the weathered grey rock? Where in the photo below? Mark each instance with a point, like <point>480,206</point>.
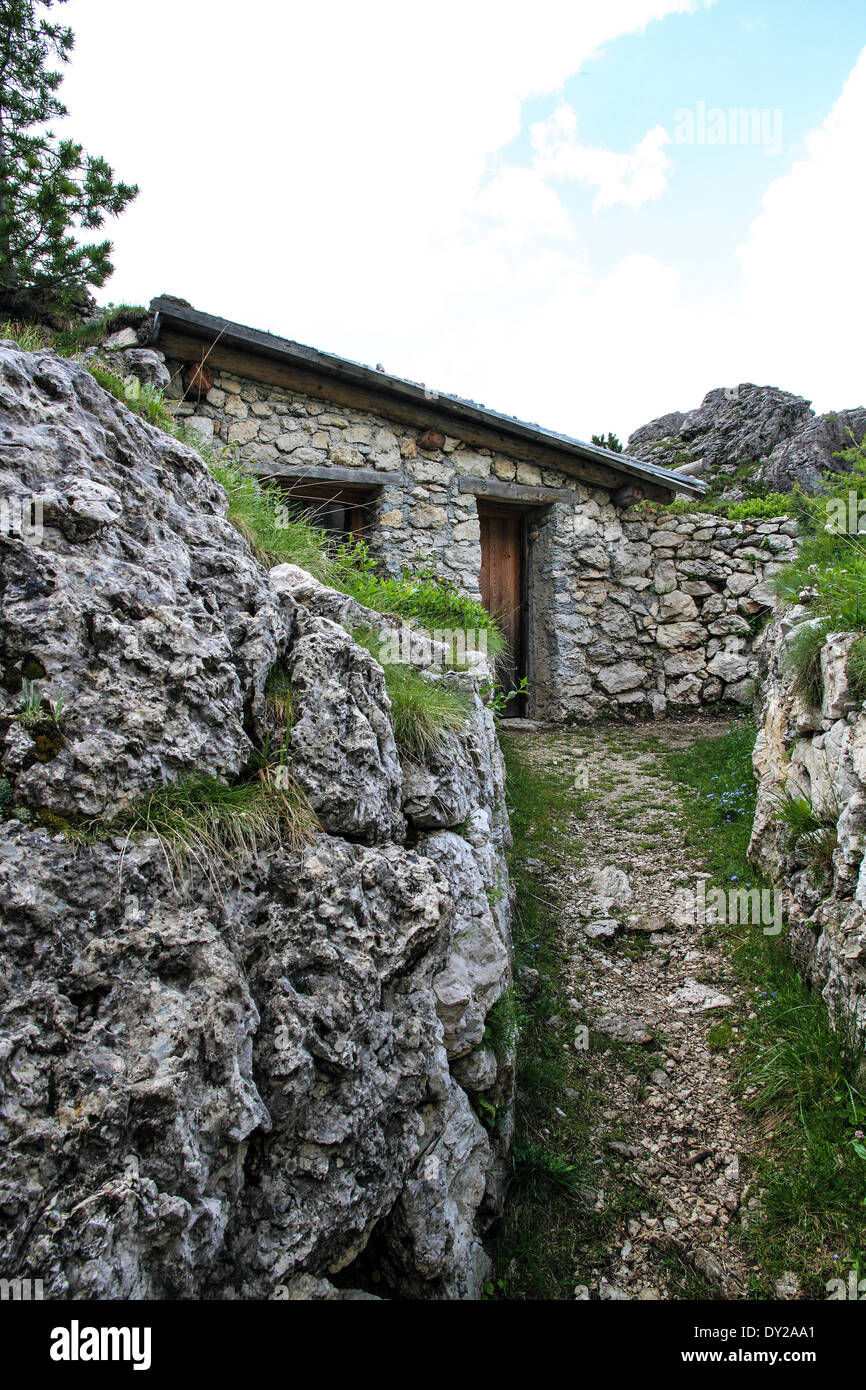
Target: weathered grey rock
<point>125,605</point>
<point>812,451</point>
<point>432,1231</point>
<point>818,755</point>
<point>477,968</point>
<point>773,430</point>
<point>601,929</point>
<point>147,366</point>
<point>628,1030</point>
<point>728,666</point>
<point>342,741</point>
<point>693,995</point>
<point>222,1088</point>
<point>624,675</point>
<point>610,889</point>
<point>729,428</point>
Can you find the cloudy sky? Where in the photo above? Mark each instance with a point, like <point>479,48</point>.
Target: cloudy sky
<point>554,209</point>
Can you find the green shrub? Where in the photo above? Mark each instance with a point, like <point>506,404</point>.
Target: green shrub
<point>5,793</point>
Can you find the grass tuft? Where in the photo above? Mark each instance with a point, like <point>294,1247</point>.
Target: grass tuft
<point>855,669</point>
<point>214,826</point>
<point>804,657</point>
<point>424,711</point>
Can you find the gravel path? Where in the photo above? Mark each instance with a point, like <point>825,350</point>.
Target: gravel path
<point>657,996</point>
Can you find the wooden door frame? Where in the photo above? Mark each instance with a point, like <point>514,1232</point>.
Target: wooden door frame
<point>521,512</point>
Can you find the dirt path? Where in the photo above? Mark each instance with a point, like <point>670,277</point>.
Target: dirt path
<point>658,1000</point>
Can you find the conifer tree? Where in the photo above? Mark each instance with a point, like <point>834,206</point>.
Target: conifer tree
<point>51,191</point>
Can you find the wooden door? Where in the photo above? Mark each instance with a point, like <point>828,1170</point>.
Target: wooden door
<point>501,585</point>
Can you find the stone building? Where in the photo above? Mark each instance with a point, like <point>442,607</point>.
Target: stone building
<point>603,608</point>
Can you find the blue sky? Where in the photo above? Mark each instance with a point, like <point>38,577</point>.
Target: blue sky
<point>774,55</point>
<point>492,198</point>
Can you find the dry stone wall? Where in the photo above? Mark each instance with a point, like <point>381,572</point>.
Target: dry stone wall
<point>627,609</point>
<point>637,613</point>
<point>623,612</point>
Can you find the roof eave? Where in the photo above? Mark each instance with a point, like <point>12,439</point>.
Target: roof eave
<point>213,329</point>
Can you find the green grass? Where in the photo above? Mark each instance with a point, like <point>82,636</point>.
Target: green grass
<point>420,595</point>
<point>804,656</point>
<point>275,534</point>
<point>502,1025</point>
<point>37,709</point>
<point>832,561</point>
<point>220,827</point>
<point>802,1080</point>
<point>771,505</point>
<point>75,336</point>
<point>810,834</point>
<point>278,694</point>
<point>28,336</point>
<point>424,711</point>
<point>141,400</point>
<point>855,668</point>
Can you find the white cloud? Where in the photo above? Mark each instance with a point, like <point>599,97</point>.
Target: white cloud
<point>804,292</point>
<point>311,168</point>
<point>332,172</point>
<point>631,177</point>
<point>523,208</point>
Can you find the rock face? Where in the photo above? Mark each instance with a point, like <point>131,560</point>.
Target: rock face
<point>817,753</point>
<point>247,1082</point>
<point>753,432</point>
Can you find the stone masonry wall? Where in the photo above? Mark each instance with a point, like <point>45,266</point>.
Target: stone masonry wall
<point>637,613</point>
<point>626,610</point>
<point>419,516</point>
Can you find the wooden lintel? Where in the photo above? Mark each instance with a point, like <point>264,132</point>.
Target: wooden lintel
<point>518,492</point>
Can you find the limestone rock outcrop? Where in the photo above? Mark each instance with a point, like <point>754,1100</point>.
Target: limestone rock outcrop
<point>750,433</point>
<point>225,1080</point>
<point>816,754</point>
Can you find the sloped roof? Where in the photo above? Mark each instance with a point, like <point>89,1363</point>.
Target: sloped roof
<point>174,314</point>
